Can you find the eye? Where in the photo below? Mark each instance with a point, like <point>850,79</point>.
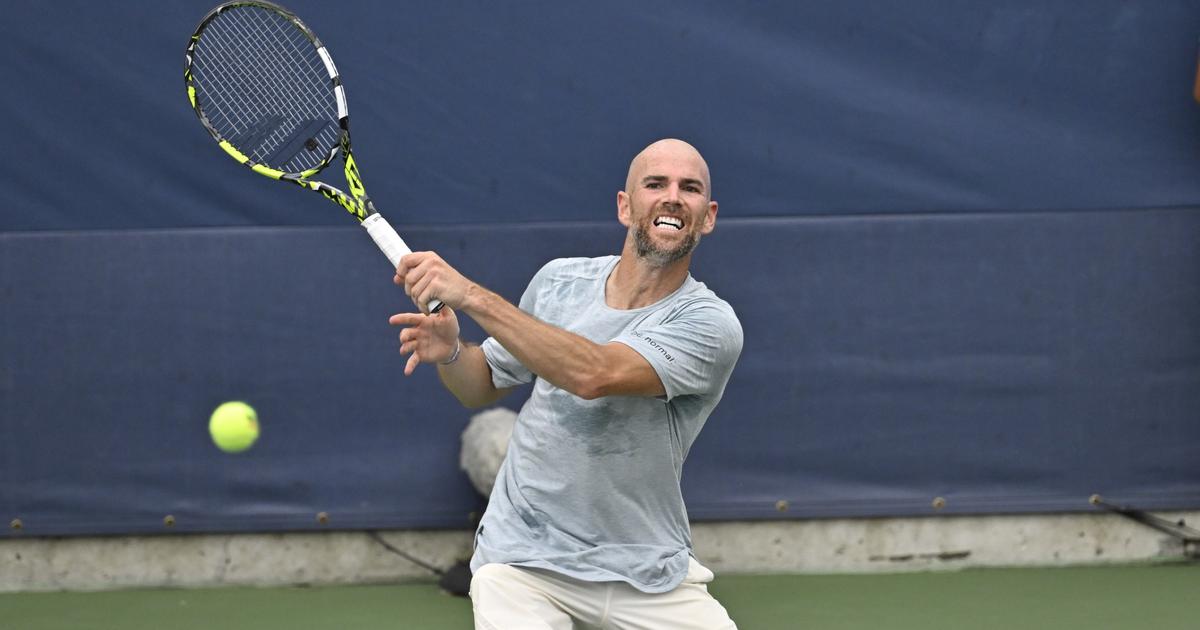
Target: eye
<point>692,188</point>
<point>654,185</point>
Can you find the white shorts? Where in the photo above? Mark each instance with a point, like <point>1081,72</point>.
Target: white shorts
<point>516,598</point>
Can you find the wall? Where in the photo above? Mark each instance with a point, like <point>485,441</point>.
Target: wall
<point>961,240</point>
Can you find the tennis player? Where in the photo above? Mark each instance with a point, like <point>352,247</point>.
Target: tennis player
<point>630,354</point>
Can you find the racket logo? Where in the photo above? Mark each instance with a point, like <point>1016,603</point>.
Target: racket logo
<point>354,206</point>
<point>353,179</point>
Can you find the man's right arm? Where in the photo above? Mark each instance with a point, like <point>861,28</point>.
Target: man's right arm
<point>469,378</point>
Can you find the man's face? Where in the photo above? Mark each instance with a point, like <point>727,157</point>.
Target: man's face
<point>667,204</point>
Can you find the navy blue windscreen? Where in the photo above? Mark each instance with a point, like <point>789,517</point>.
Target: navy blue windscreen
<point>961,238</point>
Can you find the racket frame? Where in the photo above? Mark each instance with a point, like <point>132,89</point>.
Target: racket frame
<point>357,203</point>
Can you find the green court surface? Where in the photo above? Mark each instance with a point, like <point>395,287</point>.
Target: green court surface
<point>1152,597</point>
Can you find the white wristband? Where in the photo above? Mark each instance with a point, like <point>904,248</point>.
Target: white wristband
<point>453,357</point>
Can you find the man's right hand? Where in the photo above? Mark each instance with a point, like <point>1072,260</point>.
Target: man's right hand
<point>425,277</point>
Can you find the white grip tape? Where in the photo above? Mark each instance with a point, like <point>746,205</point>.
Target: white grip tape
<point>392,246</point>
<point>386,238</point>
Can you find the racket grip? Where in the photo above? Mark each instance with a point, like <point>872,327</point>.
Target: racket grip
<point>393,247</point>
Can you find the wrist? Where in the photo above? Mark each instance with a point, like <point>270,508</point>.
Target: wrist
<point>474,298</point>
<point>453,355</point>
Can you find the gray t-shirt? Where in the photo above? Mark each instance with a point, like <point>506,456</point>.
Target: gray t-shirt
<point>590,488</point>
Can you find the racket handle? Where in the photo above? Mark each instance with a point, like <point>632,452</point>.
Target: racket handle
<point>393,247</point>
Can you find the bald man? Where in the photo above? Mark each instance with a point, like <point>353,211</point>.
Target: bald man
<point>586,523</point>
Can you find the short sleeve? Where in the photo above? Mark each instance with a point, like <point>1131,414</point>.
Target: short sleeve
<point>693,352</point>
<point>507,371</point>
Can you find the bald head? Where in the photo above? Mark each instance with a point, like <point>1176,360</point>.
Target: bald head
<point>667,150</point>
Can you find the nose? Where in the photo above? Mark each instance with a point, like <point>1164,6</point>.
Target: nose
<point>673,193</point>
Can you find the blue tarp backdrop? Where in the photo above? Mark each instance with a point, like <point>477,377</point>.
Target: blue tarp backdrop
<point>963,240</point>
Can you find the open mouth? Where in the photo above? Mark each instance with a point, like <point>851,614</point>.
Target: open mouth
<point>669,221</point>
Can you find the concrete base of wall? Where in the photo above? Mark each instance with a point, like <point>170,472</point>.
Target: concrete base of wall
<point>815,546</point>
<point>920,544</point>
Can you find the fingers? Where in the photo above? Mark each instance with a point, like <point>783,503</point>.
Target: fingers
<point>412,364</point>
<point>407,346</point>
<point>407,319</point>
<point>410,260</point>
<point>418,272</point>
<point>419,291</point>
<point>410,338</point>
<point>407,263</point>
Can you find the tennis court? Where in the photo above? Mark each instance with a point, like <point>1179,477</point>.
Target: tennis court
<point>1095,598</point>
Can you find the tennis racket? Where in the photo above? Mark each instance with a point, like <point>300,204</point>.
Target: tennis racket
<point>267,91</point>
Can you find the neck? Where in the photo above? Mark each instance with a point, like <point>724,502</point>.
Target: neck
<point>635,283</point>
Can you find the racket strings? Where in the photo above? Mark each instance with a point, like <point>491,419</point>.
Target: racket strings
<point>264,88</point>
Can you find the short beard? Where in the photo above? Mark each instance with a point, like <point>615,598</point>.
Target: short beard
<point>649,252</point>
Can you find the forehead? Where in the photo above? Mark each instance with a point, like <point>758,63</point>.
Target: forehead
<point>671,162</point>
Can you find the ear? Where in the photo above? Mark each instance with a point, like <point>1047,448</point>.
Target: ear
<point>623,210</point>
<point>710,218</point>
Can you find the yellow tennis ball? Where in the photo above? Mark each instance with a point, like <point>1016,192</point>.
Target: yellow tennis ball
<point>233,426</point>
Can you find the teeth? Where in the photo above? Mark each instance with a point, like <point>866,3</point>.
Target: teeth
<point>671,221</point>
